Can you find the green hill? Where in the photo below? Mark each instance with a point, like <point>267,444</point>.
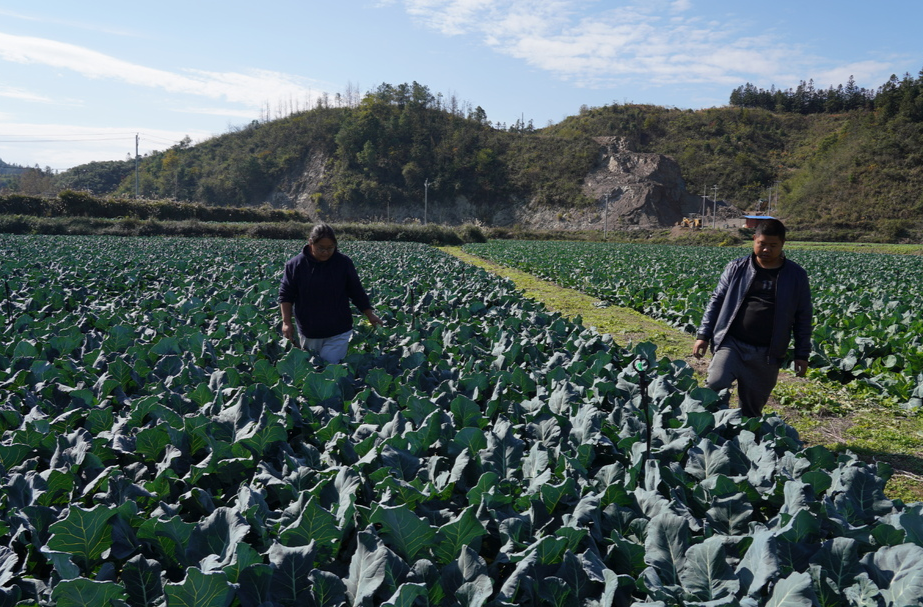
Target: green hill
<point>831,168</point>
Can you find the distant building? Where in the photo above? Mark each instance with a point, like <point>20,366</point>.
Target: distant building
<point>753,220</point>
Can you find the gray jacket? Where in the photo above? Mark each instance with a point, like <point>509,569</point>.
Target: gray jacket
<point>793,312</point>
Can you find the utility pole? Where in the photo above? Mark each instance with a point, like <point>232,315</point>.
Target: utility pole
<point>137,181</point>
<point>704,195</point>
<point>606,219</point>
<point>714,217</point>
<point>425,199</point>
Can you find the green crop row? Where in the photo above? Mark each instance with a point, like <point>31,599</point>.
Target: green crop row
<point>868,308</point>
<point>160,445</point>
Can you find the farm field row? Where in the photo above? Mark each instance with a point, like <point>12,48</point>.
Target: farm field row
<point>161,444</point>
<point>867,307</point>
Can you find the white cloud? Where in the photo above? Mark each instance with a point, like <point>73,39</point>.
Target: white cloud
<point>655,43</point>
<point>251,89</point>
<point>22,95</point>
<point>863,71</point>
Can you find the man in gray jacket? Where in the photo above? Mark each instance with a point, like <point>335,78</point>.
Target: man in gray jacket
<point>761,301</point>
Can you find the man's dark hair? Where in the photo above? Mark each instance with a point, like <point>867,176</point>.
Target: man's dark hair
<point>770,227</point>
<point>321,231</point>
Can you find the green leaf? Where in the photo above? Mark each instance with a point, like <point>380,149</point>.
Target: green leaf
<point>63,564</point>
<point>201,590</point>
<point>504,450</point>
<point>142,581</point>
<point>82,592</point>
<point>151,442</point>
<point>730,515</point>
<point>887,535</point>
<point>167,346</point>
<point>120,337</point>
<point>213,541</point>
<point>549,550</point>
<point>794,591</point>
<point>554,495</point>
<point>898,571</point>
<point>706,574</point>
<point>461,531</point>
<point>407,533</point>
<point>400,491</point>
<point>25,349</point>
<point>319,390</point>
<point>487,483</point>
<point>265,373</point>
<point>556,592</point>
<point>84,533</point>
<point>171,536</point>
<point>295,366</point>
<point>472,439</point>
<point>246,556</point>
<point>406,595</point>
<point>314,524</point>
<point>202,395</point>
<point>839,560</point>
<point>760,564</point>
<point>802,527</point>
<point>666,544</point>
<point>380,381</point>
<point>291,568</point>
<point>260,436</point>
<point>707,459</point>
<point>372,567</point>
<point>328,589</point>
<point>466,412</point>
<point>864,593</point>
<point>254,584</point>
<point>522,380</point>
<point>13,455</point>
<point>911,521</point>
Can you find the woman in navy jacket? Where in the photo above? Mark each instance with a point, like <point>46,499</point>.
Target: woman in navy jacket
<point>317,285</point>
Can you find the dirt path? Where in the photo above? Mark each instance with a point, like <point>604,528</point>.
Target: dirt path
<point>626,326</point>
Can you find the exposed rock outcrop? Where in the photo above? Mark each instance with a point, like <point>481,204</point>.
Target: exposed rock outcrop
<point>643,191</point>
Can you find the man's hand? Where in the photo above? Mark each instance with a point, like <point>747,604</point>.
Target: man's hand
<point>373,318</point>
<point>699,348</point>
<point>288,330</point>
<point>801,367</point>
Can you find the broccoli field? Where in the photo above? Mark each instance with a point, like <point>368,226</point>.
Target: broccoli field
<point>868,308</point>
<point>162,445</point>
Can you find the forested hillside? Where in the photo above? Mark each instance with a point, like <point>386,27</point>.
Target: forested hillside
<point>838,157</point>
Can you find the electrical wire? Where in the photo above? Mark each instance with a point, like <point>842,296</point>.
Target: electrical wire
<point>59,140</point>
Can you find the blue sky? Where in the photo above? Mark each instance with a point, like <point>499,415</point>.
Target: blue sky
<point>79,80</point>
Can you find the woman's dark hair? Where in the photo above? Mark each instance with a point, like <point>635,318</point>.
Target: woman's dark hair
<point>321,231</point>
<point>771,227</point>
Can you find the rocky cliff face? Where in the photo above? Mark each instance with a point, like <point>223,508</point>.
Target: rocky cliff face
<point>645,190</point>
<point>642,190</point>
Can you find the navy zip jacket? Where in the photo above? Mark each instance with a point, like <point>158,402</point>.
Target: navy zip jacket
<point>320,292</point>
<point>793,309</point>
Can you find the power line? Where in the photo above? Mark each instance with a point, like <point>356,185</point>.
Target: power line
<point>59,140</point>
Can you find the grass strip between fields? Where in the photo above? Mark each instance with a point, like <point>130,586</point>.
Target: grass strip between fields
<point>822,414</point>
